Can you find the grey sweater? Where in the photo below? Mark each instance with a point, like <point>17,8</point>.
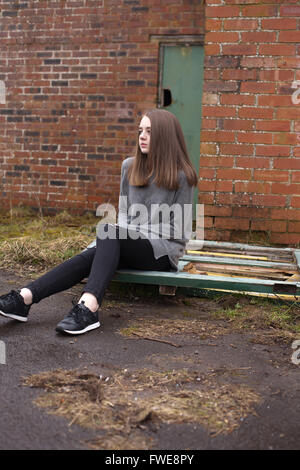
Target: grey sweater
<point>162,216</point>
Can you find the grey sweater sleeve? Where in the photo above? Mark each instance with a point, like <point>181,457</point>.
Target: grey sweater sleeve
<point>184,198</point>
<point>122,214</point>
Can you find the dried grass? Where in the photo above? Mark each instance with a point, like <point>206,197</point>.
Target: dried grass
<point>154,327</point>
<point>34,243</point>
<point>39,255</point>
<point>125,404</point>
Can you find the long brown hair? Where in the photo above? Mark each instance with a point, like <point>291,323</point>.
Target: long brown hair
<point>167,154</point>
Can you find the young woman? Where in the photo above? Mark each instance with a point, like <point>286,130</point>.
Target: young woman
<point>158,181</point>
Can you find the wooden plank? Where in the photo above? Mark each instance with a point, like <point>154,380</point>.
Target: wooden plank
<point>294,277</point>
<point>238,256</point>
<point>232,255</point>
<point>271,254</point>
<point>297,256</point>
<point>192,244</point>
<point>233,261</point>
<point>251,271</point>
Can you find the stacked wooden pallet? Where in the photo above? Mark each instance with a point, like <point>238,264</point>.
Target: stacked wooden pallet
<point>229,267</point>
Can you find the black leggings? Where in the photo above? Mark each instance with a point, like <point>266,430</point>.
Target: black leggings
<point>99,265</point>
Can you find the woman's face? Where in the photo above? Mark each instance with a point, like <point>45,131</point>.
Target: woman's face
<point>144,134</point>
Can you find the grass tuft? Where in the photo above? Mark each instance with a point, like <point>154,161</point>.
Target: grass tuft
<point>33,243</point>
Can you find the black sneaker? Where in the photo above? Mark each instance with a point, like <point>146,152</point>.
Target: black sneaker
<point>12,306</point>
<point>79,320</point>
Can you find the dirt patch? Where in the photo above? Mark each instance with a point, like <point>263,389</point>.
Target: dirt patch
<point>128,405</point>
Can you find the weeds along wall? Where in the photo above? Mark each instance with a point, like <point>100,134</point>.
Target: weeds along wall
<point>76,74</point>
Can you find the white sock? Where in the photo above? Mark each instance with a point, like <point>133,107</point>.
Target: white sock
<point>90,301</point>
<point>27,295</point>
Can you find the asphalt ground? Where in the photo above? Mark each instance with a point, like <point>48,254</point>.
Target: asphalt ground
<point>35,347</point>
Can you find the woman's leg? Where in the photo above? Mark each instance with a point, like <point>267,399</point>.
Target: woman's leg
<point>99,265</point>
<point>83,317</point>
<point>111,253</point>
<point>105,263</point>
<point>16,306</point>
<point>62,277</point>
<point>120,252</point>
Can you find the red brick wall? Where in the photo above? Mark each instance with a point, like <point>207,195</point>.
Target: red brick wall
<point>77,73</point>
<point>250,158</point>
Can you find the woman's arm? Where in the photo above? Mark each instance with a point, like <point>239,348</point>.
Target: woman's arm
<point>183,201</point>
<point>123,196</point>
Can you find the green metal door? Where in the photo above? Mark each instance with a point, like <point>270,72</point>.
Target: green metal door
<point>181,81</point>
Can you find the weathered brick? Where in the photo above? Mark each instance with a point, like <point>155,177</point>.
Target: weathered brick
<point>234,174</point>
<point>295,201</point>
<point>259,36</point>
<point>218,111</point>
<point>239,74</point>
<point>290,10</point>
<point>256,112</point>
<point>286,163</point>
<point>270,200</point>
<point>236,149</point>
<point>279,23</point>
<point>269,225</point>
<point>273,125</point>
<point>237,99</point>
<point>252,162</point>
<point>241,24</point>
<point>252,187</point>
<point>255,137</point>
<point>231,223</point>
<point>226,11</point>
<point>289,36</point>
<point>239,49</point>
<point>75,85</point>
<point>257,11</point>
<point>221,37</point>
<point>261,87</point>
<point>272,150</point>
<point>291,239</point>
<point>281,188</point>
<point>286,214</point>
<point>271,175</point>
<point>277,49</point>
